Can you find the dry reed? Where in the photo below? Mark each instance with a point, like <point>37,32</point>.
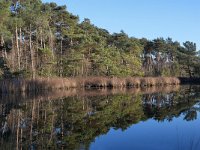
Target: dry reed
<point>41,84</point>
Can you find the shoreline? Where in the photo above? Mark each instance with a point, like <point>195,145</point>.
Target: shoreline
<point>50,84</point>
<point>84,93</point>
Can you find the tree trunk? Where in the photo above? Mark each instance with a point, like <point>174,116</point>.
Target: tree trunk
<point>4,53</point>
<point>2,45</point>
<point>189,71</point>
<point>17,45</point>
<point>2,41</point>
<point>13,54</point>
<point>20,46</point>
<point>61,61</point>
<point>51,42</point>
<point>82,66</point>
<point>32,54</point>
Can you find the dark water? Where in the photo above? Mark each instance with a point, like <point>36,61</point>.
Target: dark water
<point>146,119</point>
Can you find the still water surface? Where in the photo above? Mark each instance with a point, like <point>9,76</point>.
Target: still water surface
<point>154,119</point>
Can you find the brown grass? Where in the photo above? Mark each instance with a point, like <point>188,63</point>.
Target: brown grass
<point>40,84</point>
<point>128,82</point>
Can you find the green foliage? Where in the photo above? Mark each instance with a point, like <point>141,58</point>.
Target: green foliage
<point>4,16</point>
<point>61,46</point>
<point>165,72</point>
<point>45,51</point>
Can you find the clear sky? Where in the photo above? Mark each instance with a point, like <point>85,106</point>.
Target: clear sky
<point>178,19</point>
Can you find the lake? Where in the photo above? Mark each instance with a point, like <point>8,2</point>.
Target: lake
<point>157,118</point>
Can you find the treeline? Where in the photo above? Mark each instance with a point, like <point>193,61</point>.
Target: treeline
<point>44,39</point>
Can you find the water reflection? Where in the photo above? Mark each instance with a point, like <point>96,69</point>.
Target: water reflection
<point>73,119</point>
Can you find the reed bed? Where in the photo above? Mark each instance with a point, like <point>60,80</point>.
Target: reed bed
<point>41,84</point>
<point>128,82</point>
<point>35,85</point>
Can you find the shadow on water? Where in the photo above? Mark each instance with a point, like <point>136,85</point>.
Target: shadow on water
<point>73,119</point>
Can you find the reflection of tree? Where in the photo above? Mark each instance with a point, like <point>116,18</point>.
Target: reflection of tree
<point>74,122</point>
<point>190,115</point>
<point>167,106</point>
<point>101,114</point>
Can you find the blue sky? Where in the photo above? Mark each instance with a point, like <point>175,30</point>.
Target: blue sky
<point>178,19</point>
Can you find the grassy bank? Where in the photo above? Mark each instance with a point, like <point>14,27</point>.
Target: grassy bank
<point>40,84</point>
<point>128,82</point>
